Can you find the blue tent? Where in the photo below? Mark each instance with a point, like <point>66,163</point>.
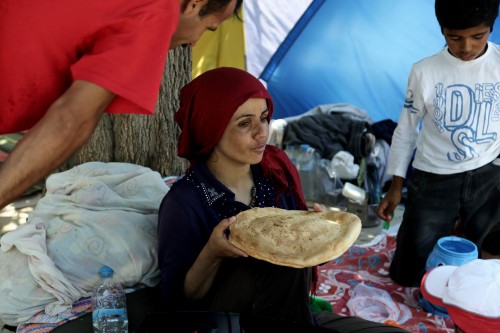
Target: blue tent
<point>358,52</point>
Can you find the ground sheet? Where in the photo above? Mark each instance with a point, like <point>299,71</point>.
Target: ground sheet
<point>382,299</point>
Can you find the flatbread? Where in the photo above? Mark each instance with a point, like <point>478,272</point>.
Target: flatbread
<point>294,238</point>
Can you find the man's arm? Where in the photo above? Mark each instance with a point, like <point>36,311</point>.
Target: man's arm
<point>66,126</point>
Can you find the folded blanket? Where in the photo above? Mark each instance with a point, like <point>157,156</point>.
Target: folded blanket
<point>92,215</point>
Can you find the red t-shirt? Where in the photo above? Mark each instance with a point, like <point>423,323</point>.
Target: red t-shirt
<point>121,45</point>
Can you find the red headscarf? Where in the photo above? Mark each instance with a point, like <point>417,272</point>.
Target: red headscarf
<point>208,103</point>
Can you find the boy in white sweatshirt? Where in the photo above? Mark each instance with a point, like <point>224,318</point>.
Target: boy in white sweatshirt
<point>450,125</point>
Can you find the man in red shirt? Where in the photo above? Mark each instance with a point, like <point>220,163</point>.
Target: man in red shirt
<point>63,65</point>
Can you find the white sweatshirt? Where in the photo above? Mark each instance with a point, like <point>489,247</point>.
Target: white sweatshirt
<point>451,115</point>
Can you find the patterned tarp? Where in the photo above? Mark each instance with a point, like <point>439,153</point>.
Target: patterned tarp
<point>369,264</point>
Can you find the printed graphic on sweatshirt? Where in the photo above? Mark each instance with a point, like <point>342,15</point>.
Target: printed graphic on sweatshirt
<point>409,102</point>
<point>467,114</point>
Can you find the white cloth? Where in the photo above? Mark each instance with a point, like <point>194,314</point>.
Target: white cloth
<point>475,287</point>
<point>456,105</point>
<point>276,132</point>
<point>348,111</point>
<point>343,165</point>
<point>472,287</point>
<point>92,215</point>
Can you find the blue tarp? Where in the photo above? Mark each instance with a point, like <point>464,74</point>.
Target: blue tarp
<point>353,51</point>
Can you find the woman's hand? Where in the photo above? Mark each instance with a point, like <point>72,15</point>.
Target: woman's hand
<point>201,275</point>
<point>218,246</point>
<point>319,207</point>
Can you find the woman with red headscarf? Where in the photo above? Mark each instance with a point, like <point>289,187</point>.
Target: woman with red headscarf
<point>224,116</point>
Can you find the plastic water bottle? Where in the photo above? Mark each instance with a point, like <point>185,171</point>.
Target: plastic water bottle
<point>291,151</point>
<point>310,174</point>
<point>307,158</point>
<point>109,304</point>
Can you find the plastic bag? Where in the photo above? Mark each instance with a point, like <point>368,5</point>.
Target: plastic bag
<point>343,165</point>
<point>376,305</point>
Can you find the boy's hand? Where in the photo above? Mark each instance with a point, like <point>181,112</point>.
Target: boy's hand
<point>390,201</point>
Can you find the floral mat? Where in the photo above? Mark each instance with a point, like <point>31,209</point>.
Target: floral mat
<point>339,283</point>
<point>358,283</point>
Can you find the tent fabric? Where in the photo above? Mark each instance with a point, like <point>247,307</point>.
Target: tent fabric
<point>267,24</point>
<point>359,52</point>
<point>224,47</point>
<point>248,44</point>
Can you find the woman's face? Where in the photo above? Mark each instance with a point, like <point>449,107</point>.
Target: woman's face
<point>245,137</point>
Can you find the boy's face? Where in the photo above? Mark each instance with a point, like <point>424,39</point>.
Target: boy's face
<point>467,44</point>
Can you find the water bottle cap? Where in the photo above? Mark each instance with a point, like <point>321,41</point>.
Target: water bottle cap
<point>105,271</point>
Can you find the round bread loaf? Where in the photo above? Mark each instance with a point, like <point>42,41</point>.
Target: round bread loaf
<point>294,238</point>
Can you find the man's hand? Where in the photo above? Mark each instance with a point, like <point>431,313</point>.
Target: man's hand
<point>66,126</point>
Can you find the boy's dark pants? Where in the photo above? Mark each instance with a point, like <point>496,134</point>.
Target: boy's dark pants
<point>431,211</point>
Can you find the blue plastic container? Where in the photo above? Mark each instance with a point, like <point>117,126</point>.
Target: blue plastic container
<point>450,250</point>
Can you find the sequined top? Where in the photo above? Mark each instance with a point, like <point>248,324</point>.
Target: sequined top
<point>192,208</point>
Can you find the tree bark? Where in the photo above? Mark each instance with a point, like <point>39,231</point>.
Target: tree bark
<point>150,141</point>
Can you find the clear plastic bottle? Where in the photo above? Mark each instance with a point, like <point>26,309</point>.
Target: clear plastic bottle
<point>310,174</point>
<point>308,158</point>
<point>291,151</point>
<point>109,304</point>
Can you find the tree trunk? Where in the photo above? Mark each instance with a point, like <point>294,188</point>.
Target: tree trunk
<point>150,141</point>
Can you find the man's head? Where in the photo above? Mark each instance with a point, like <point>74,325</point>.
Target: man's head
<point>197,16</point>
<point>466,25</point>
